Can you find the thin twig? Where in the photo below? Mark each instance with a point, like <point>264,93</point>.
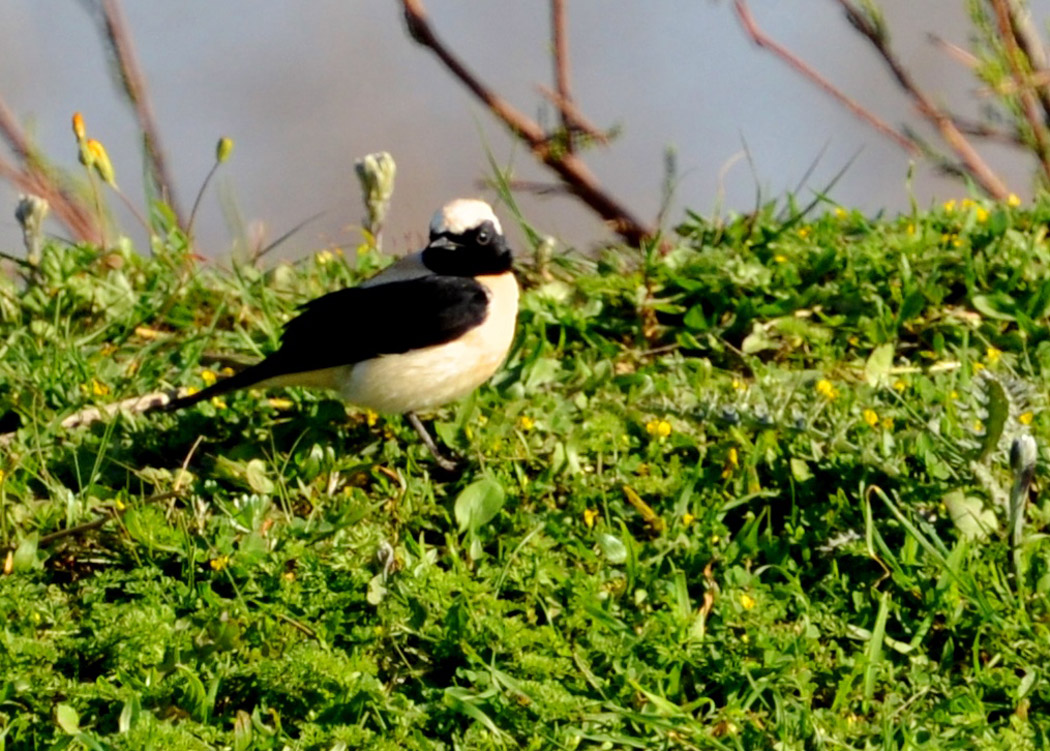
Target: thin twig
<point>573,120</point>
<point>747,20</point>
<point>973,163</point>
<point>1025,93</point>
<point>114,513</point>
<point>954,51</point>
<point>573,172</point>
<point>1030,43</point>
<point>560,50</point>
<point>119,38</point>
<point>982,130</point>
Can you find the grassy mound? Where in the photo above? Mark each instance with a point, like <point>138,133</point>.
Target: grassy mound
<point>750,491</point>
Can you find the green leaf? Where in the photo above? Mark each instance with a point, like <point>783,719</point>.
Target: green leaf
<point>255,474</point>
<point>998,412</point>
<point>993,306</point>
<point>612,548</point>
<point>800,470</point>
<point>877,368</point>
<point>67,719</point>
<point>969,516</point>
<point>478,504</point>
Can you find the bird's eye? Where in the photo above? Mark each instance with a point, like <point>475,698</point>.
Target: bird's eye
<point>483,237</point>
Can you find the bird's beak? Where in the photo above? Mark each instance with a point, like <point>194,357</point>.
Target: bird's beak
<point>442,242</point>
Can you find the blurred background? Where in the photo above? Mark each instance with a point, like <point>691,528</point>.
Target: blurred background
<point>305,88</point>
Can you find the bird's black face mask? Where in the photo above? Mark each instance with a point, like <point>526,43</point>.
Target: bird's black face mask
<point>476,252</point>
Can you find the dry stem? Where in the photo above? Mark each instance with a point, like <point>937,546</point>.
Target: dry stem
<point>134,82</point>
<point>572,171</point>
<point>972,162</point>
<point>747,20</point>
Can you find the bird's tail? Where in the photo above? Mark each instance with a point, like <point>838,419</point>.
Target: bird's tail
<point>252,376</point>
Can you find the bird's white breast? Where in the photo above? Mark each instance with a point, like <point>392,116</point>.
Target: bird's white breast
<point>429,377</point>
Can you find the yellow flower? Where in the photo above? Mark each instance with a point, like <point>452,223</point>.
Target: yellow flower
<point>967,203</point>
<point>324,257</point>
<point>992,355</point>
<point>1,475</point>
<point>747,601</point>
<point>978,366</point>
<point>100,161</point>
<point>526,423</point>
<point>981,214</point>
<point>589,515</point>
<point>978,426</point>
<point>899,385</point>
<point>658,428</point>
<point>780,258</point>
<point>687,519</point>
<point>1013,200</point>
<point>78,126</point>
<point>803,232</point>
<point>227,371</point>
<point>715,539</point>
<point>280,404</point>
<point>911,228</point>
<point>371,418</point>
<point>98,388</point>
<point>191,390</point>
<point>218,402</point>
<point>840,212</point>
<point>953,395</point>
<point>208,376</point>
<point>887,423</point>
<point>218,564</point>
<point>871,417</point>
<point>738,384</point>
<point>732,463</point>
<point>1025,418</point>
<point>949,206</point>
<point>826,389</point>
<point>223,149</point>
<point>118,504</point>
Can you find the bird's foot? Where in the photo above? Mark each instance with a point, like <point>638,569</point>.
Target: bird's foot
<point>449,468</point>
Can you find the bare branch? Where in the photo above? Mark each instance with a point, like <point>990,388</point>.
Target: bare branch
<point>1028,40</point>
<point>1025,93</point>
<point>974,164</point>
<point>119,38</point>
<point>954,51</point>
<point>573,172</point>
<point>759,37</point>
<point>572,119</point>
<point>560,43</point>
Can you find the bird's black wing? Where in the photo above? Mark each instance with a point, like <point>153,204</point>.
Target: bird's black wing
<point>359,323</point>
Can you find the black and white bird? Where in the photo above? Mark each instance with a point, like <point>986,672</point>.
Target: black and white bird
<point>423,332</point>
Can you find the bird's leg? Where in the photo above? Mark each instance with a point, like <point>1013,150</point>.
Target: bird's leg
<point>448,465</point>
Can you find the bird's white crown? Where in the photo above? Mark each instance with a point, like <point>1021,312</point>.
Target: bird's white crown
<point>461,215</point>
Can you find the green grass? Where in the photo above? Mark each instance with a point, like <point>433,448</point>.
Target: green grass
<point>710,506</point>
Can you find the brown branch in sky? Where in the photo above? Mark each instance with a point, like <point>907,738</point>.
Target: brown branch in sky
<point>572,171</point>
<point>1031,45</point>
<point>954,51</point>
<point>1025,93</point>
<point>560,45</point>
<point>134,82</point>
<point>573,120</point>
<point>973,163</point>
<point>31,177</point>
<point>760,38</point>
